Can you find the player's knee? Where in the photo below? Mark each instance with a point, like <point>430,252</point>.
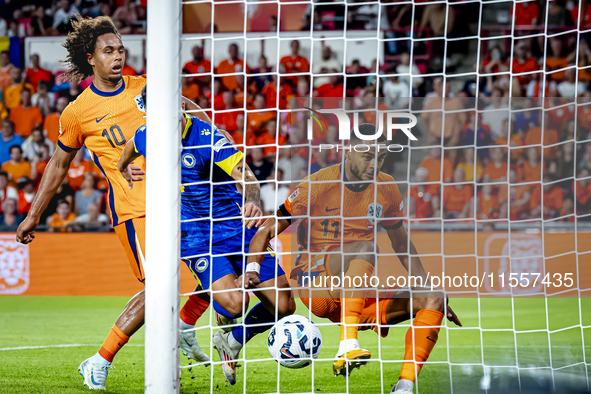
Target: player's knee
<point>286,306</point>
<point>435,303</point>
<point>367,251</point>
<point>235,305</point>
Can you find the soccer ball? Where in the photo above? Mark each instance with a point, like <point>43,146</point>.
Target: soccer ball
<point>294,341</point>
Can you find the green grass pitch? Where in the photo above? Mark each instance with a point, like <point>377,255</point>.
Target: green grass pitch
<point>83,322</point>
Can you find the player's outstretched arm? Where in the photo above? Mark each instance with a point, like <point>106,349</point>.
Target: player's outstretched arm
<point>252,192</point>
<point>54,174</point>
<point>258,248</point>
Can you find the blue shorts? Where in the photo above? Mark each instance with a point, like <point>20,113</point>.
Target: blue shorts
<point>208,268</point>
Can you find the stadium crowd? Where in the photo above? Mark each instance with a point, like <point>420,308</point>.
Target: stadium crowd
<point>493,155</point>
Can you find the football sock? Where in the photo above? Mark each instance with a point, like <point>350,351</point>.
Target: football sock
<point>193,309</point>
<point>352,305</point>
<point>257,315</point>
<point>425,337</point>
<point>113,343</point>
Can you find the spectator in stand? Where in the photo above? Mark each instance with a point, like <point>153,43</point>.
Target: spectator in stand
<point>16,167</point>
<point>434,17</point>
<point>467,165</point>
<point>458,198</point>
<point>5,70</point>
<point>232,65</point>
<point>199,65</point>
<point>582,191</point>
<point>325,65</point>
<point>424,198</point>
<point>274,193</point>
<point>10,218</point>
<point>294,63</point>
<point>25,117</point>
<point>512,143</point>
<point>35,73</point>
<point>78,168</point>
<point>355,85</point>
<point>557,60</point>
<point>32,145</point>
<point>569,86</point>
<point>12,94</point>
<point>396,92</point>
<point>531,169</point>
<point>38,165</point>
<point>454,121</point>
<point>51,124</point>
<point>303,87</point>
<point>514,200</point>
<point>87,195</point>
<point>261,167</point>
<point>524,63</point>
<point>488,204</point>
<point>271,138</point>
<point>43,99</point>
<point>553,199</point>
<point>556,14</point>
<point>525,14</point>
<point>227,120</point>
<point>62,17</point>
<point>495,114</point>
<point>496,170</point>
<point>527,119</point>
<point>41,23</point>
<point>551,137</point>
<point>59,221</point>
<point>482,138</point>
<point>406,70</point>
<point>585,18</point>
<point>6,191</point>
<point>433,166</point>
<point>64,192</point>
<point>8,140</point>
<point>26,194</point>
<point>217,93</point>
<point>92,218</point>
<point>189,88</point>
<point>257,120</point>
<point>127,69</point>
<point>332,89</point>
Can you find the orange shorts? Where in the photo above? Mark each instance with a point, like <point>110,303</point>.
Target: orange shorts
<point>132,234</point>
<point>326,303</point>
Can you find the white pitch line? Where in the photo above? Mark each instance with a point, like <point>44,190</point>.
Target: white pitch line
<point>55,346</point>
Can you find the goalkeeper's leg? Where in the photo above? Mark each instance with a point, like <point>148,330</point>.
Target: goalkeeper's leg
<point>421,337</point>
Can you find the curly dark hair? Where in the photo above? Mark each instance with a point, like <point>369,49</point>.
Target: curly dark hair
<point>81,41</point>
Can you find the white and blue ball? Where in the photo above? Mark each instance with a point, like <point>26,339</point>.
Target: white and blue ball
<point>294,341</point>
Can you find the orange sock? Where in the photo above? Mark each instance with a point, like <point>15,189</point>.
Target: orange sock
<point>113,343</point>
<point>193,309</point>
<point>353,305</point>
<point>424,341</point>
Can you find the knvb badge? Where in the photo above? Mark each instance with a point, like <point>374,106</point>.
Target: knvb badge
<point>345,129</point>
<point>14,266</point>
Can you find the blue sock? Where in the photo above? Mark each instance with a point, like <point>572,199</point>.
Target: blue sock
<point>257,315</point>
<point>220,310</point>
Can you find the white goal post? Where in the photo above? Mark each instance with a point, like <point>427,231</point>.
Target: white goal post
<point>163,198</point>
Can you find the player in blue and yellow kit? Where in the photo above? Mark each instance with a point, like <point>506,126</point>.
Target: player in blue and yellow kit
<point>214,240</point>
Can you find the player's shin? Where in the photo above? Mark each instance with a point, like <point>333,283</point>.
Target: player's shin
<point>112,344</point>
<point>193,309</point>
<point>425,336</point>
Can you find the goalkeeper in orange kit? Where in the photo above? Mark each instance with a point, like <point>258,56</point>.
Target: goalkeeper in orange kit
<point>358,190</point>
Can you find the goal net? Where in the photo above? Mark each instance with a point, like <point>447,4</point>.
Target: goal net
<point>495,175</point>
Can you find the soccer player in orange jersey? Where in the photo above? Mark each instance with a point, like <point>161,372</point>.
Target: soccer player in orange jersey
<point>103,118</point>
<point>353,194</point>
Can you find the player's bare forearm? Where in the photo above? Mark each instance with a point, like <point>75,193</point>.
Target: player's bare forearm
<point>271,228</point>
<point>127,156</point>
<point>54,175</point>
<point>250,189</point>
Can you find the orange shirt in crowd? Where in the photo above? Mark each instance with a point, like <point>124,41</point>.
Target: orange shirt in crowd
<point>204,66</point>
<point>285,94</point>
<point>527,173</point>
<point>528,65</point>
<point>3,111</point>
<point>25,119</point>
<point>513,143</point>
<point>525,13</point>
<point>33,77</point>
<point>327,90</point>
<point>24,202</point>
<point>128,70</point>
<point>552,64</point>
<point>266,139</point>
<point>192,92</point>
<point>12,94</point>
<point>226,67</point>
<point>16,171</point>
<point>298,64</point>
<point>51,127</point>
<point>422,199</point>
<point>552,200</point>
<point>40,166</point>
<point>454,199</point>
<point>76,173</point>
<point>5,76</point>
<point>257,120</point>
<point>434,169</point>
<point>489,207</point>
<point>583,193</point>
<point>496,173</point>
<point>228,120</point>
<point>57,222</point>
<point>584,117</point>
<point>218,101</point>
<point>551,137</point>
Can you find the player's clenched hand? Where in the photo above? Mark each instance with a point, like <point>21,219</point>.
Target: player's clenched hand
<point>26,230</point>
<point>249,280</point>
<point>252,210</point>
<point>452,317</point>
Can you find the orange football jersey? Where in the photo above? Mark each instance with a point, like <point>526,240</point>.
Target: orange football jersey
<point>104,122</point>
<point>329,208</point>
